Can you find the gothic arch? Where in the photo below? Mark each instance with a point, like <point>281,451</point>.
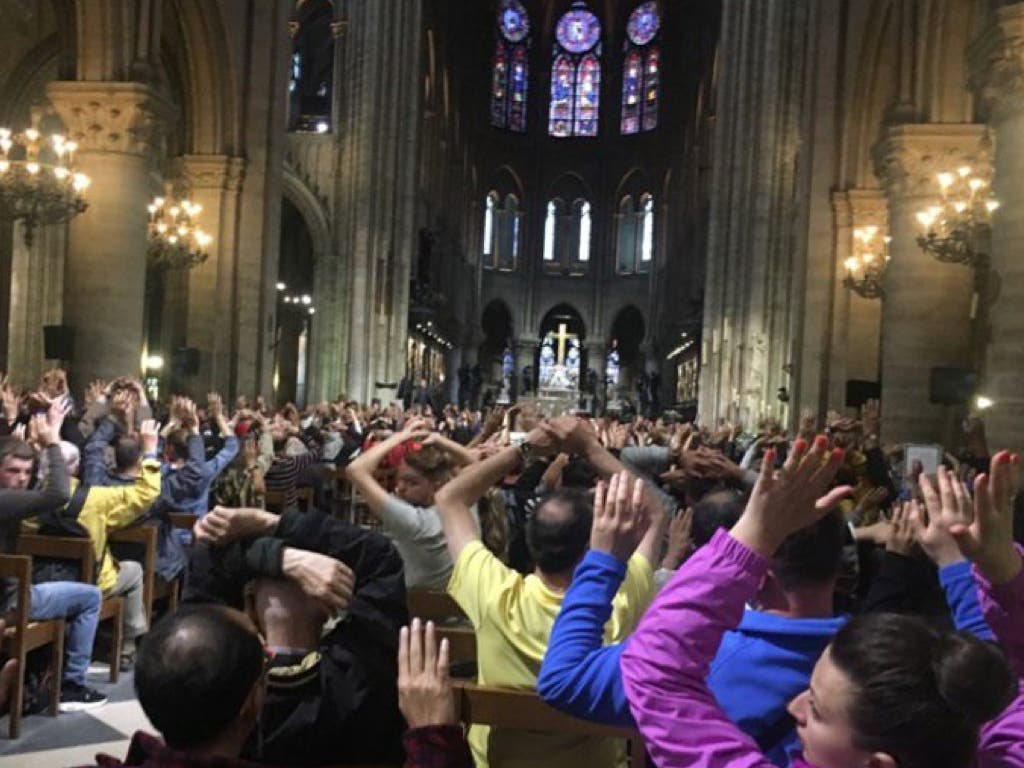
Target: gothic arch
<point>553,306</point>
<point>193,34</point>
<point>313,212</point>
<point>28,79</point>
<point>506,181</point>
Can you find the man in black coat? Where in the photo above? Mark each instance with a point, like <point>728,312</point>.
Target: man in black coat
<point>331,695</point>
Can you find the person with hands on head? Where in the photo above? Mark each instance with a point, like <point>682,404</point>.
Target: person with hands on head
<point>888,691</point>
<point>329,599</point>
<point>78,603</point>
<point>435,738</point>
<point>409,516</point>
<point>512,614</point>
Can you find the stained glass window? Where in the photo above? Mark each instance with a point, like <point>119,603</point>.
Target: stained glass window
<point>489,225</point>
<point>510,68</point>
<point>576,74</point>
<point>584,254</point>
<point>635,240</point>
<point>641,70</point>
<point>501,232</point>
<point>549,231</point>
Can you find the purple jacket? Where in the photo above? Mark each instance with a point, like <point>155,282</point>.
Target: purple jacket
<point>665,666</point>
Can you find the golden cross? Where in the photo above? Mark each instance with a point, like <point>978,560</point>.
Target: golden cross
<point>562,337</point>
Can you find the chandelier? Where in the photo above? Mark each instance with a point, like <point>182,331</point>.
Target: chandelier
<point>956,230</point>
<point>38,185</point>
<point>866,266</point>
<point>175,241</point>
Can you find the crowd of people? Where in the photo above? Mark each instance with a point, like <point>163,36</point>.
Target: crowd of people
<point>741,597</point>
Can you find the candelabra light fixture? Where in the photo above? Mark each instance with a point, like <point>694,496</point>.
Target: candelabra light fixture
<point>175,240</point>
<point>957,228</point>
<point>866,266</point>
<point>38,183</point>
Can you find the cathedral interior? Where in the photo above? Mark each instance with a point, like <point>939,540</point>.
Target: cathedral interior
<point>697,205</point>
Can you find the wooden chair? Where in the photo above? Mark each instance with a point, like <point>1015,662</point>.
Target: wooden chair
<point>22,635</point>
<point>80,550</point>
<point>144,538</point>
<point>461,643</point>
<point>524,710</point>
<point>434,605</point>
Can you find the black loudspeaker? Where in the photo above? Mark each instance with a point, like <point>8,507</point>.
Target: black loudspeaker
<point>951,386</point>
<point>186,361</point>
<point>59,342</point>
<point>859,391</point>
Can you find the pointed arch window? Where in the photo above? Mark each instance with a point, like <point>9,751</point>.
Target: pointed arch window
<point>583,216</point>
<point>510,68</point>
<point>635,237</point>
<point>576,74</point>
<point>502,221</point>
<point>641,70</point>
<point>550,226</point>
<point>311,74</point>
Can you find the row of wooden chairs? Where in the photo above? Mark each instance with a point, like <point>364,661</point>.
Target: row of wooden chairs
<point>504,707</point>
<point>23,635</point>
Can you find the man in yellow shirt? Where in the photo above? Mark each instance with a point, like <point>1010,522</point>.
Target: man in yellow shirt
<point>513,615</point>
<point>95,511</point>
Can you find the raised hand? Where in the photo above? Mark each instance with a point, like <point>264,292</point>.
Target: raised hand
<point>41,433</point>
<point>988,539</point>
<point>10,400</point>
<point>328,581</point>
<point>620,519</point>
<point>214,405</point>
<point>552,477</point>
<point>793,498</point>
<point>223,525</point>
<point>149,435</point>
<point>901,533</point>
<point>944,508</point>
<point>424,689</point>
<point>680,540</point>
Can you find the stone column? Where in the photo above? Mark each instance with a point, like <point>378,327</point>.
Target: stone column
<point>116,125</point>
<point>215,182</point>
<point>926,315</point>
<point>525,350</point>
<point>376,191</point>
<point>997,59</point>
<point>856,323</point>
<point>37,299</point>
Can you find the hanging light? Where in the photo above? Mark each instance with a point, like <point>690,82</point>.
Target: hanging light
<point>175,240</point>
<point>38,185</point>
<point>956,228</point>
<point>866,266</point>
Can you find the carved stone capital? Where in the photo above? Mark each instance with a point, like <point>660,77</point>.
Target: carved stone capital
<point>123,117</point>
<point>861,208</point>
<point>996,60</point>
<point>909,157</point>
<point>210,172</point>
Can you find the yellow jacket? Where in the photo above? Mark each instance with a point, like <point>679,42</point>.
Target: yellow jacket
<point>108,508</point>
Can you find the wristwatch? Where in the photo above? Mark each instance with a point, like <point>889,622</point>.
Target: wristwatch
<point>526,453</point>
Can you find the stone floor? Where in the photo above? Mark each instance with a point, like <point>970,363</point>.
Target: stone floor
<point>75,739</point>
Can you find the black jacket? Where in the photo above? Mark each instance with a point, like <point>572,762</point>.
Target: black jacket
<point>339,704</point>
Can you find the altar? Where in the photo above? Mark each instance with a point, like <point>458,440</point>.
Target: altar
<point>558,387</point>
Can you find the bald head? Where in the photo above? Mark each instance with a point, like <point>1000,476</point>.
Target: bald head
<point>195,670</point>
<point>559,530</point>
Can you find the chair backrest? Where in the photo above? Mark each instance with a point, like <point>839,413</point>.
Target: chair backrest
<point>524,710</point>
<point>61,548</point>
<point>18,567</point>
<point>434,605</point>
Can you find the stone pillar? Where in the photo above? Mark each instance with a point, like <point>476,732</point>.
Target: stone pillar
<point>525,351</point>
<point>37,299</point>
<point>997,59</point>
<point>215,182</point>
<point>926,315</point>
<point>856,322</point>
<point>376,192</point>
<point>116,125</point>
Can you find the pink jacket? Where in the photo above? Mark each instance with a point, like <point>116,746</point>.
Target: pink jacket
<point>666,663</point>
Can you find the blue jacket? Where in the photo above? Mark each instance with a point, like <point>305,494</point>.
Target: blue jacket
<point>760,667</point>
<point>181,490</point>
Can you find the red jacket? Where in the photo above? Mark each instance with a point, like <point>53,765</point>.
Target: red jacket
<point>435,746</point>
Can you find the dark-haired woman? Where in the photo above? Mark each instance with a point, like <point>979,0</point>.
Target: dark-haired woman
<point>408,516</point>
<point>889,692</point>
